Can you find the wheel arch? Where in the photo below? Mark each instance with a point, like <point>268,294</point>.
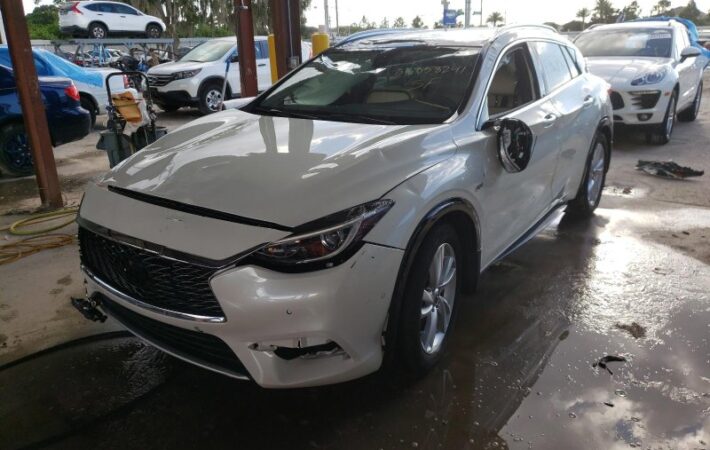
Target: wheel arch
<point>460,214</point>
<point>213,79</point>
<point>94,22</point>
<point>606,127</point>
<point>156,24</point>
<point>91,98</point>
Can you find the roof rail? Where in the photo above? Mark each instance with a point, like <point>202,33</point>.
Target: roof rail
<point>593,26</point>
<point>510,27</point>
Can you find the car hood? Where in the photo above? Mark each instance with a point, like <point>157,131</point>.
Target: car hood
<point>280,170</point>
<point>619,70</point>
<point>172,67</point>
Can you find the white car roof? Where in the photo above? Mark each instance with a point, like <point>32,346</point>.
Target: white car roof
<point>637,25</point>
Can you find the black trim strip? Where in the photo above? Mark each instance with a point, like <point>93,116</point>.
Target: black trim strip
<point>197,210</point>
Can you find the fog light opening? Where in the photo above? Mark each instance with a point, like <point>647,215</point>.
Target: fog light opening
<point>326,350</point>
<point>645,117</point>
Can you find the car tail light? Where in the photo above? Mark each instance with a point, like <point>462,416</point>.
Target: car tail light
<point>73,93</point>
<point>75,8</point>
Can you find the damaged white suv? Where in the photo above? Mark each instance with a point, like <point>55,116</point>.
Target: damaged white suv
<point>333,223</point>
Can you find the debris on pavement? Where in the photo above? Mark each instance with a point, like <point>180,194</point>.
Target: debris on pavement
<point>667,169</point>
<point>636,330</point>
<point>607,359</point>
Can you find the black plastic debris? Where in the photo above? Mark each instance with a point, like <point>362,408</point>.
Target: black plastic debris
<point>607,359</point>
<point>667,169</point>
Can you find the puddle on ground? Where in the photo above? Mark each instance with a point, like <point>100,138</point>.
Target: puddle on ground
<point>519,372</point>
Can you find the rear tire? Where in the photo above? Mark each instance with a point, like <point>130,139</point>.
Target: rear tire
<point>15,155</point>
<point>690,114</point>
<point>168,108</point>
<point>429,302</point>
<point>153,31</point>
<point>590,191</point>
<point>98,31</point>
<point>661,133</point>
<point>210,98</point>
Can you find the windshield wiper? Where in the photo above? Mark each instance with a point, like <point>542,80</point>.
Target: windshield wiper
<point>362,118</point>
<point>285,113</point>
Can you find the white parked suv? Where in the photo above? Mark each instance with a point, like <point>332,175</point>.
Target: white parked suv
<point>654,72</point>
<point>98,19</point>
<point>331,224</point>
<point>197,79</point>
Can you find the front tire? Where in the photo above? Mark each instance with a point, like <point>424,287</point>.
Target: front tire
<point>429,302</point>
<point>590,191</point>
<point>98,31</point>
<point>661,133</point>
<point>211,98</point>
<point>690,114</point>
<point>15,155</point>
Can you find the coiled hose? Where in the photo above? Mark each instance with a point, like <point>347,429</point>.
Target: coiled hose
<point>37,239</point>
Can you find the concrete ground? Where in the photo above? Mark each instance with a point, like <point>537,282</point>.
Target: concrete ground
<point>632,282</point>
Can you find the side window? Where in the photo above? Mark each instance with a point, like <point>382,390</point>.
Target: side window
<point>554,65</point>
<point>123,9</point>
<point>258,50</point>
<point>514,83</point>
<point>7,80</point>
<point>264,49</point>
<point>96,7</point>
<point>571,62</point>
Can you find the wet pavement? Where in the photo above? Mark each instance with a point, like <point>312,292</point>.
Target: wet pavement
<point>633,282</point>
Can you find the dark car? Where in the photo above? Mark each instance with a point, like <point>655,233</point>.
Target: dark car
<point>68,121</point>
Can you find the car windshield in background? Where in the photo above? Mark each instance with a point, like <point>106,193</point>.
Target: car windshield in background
<point>209,51</point>
<point>395,85</point>
<point>643,42</point>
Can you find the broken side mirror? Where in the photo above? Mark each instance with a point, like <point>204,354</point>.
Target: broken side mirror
<point>515,144</point>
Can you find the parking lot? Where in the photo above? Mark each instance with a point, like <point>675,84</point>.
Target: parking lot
<point>519,373</point>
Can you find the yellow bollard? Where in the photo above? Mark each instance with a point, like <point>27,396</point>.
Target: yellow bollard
<point>320,43</point>
<point>272,59</point>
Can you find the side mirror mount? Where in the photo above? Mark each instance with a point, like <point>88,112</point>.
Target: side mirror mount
<point>689,52</point>
<point>234,58</point>
<point>515,144</point>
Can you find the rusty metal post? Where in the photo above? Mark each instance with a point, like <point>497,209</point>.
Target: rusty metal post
<point>13,16</point>
<point>286,16</point>
<point>245,48</point>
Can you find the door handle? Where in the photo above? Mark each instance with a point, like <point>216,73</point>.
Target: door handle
<point>262,65</point>
<point>588,100</point>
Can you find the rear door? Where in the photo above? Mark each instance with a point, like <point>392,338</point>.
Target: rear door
<point>571,94</point>
<point>127,19</point>
<point>263,67</point>
<point>514,202</point>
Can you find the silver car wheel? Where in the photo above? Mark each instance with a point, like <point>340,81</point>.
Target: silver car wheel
<point>670,121</point>
<point>438,298</point>
<point>98,32</point>
<point>595,176</point>
<point>213,99</point>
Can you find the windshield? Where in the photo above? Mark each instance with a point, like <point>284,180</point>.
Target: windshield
<point>636,42</point>
<point>209,51</point>
<point>401,85</point>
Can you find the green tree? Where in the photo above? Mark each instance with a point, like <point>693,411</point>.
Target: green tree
<point>399,23</point>
<point>690,11</point>
<point>417,22</point>
<point>495,18</point>
<point>632,11</point>
<point>385,23</point>
<point>604,12</point>
<point>661,8</point>
<point>43,22</point>
<point>582,15</point>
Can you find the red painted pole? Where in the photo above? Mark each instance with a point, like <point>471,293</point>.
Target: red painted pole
<point>245,48</point>
<point>18,41</point>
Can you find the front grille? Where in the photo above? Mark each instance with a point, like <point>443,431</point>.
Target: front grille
<point>159,80</point>
<point>201,348</point>
<point>153,279</point>
<point>646,99</point>
<point>616,101</point>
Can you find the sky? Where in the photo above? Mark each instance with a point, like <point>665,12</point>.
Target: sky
<point>516,11</point>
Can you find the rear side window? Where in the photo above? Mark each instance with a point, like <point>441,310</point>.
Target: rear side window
<point>514,83</point>
<point>573,67</point>
<point>553,63</point>
<point>259,49</point>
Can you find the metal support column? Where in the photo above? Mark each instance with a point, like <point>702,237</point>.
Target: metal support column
<point>467,14</point>
<point>286,16</point>
<point>245,48</point>
<point>13,16</point>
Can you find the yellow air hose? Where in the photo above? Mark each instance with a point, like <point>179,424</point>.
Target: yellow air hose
<point>38,238</point>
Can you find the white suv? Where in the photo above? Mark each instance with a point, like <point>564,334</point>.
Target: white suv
<point>654,72</point>
<point>333,222</point>
<point>197,79</point>
<point>98,19</point>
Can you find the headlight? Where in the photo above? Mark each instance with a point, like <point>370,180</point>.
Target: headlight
<point>650,78</point>
<point>186,74</point>
<point>333,239</point>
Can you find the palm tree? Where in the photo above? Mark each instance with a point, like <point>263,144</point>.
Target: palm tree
<point>495,18</point>
<point>604,12</point>
<point>582,14</point>
<point>661,7</point>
